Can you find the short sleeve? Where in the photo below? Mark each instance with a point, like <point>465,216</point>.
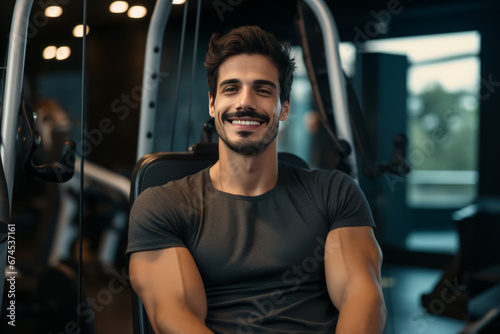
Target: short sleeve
<point>154,223</point>
<point>347,205</point>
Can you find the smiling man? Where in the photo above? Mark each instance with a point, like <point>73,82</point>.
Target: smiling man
<point>263,247</point>
<point>247,108</point>
<point>254,87</point>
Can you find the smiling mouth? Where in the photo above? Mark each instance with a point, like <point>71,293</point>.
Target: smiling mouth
<point>244,122</point>
<point>248,118</point>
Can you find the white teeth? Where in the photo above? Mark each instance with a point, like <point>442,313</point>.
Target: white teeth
<point>246,122</point>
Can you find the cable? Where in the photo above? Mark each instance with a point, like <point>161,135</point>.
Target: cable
<point>193,69</point>
<point>4,205</point>
<point>83,140</point>
<point>181,52</point>
<point>301,29</point>
<point>2,86</point>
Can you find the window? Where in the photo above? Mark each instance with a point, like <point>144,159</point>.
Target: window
<point>443,115</point>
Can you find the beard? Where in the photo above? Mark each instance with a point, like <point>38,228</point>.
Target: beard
<point>245,145</point>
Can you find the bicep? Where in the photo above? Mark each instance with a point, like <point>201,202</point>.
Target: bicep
<point>167,281</point>
<point>353,259</point>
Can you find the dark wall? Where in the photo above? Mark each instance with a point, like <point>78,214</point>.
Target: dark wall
<point>489,134</point>
<point>115,60</point>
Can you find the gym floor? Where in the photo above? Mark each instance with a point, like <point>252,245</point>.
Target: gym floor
<point>403,287</point>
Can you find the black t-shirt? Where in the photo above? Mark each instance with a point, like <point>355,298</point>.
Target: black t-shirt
<point>261,258</point>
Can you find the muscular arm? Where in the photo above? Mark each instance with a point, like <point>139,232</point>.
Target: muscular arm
<point>352,265</point>
<point>171,288</point>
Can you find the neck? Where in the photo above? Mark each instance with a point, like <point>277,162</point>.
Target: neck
<point>245,175</point>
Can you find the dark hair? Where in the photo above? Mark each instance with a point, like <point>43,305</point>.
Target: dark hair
<point>250,40</point>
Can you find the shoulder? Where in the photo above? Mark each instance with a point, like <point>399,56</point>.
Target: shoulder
<point>170,194</point>
<point>327,180</point>
<point>161,216</point>
<point>335,189</point>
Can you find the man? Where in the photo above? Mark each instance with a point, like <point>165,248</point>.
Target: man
<point>251,245</point>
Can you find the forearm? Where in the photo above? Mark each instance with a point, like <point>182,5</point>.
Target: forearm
<point>180,322</point>
<point>362,312</point>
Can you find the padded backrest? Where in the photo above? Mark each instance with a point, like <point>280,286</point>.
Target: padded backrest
<point>156,169</point>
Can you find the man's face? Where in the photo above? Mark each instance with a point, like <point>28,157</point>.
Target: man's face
<point>247,107</point>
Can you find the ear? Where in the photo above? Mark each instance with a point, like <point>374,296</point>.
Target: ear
<point>211,108</point>
<point>285,109</point>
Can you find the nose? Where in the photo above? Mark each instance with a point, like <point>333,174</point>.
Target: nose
<point>246,99</point>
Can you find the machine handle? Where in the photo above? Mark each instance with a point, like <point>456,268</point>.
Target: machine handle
<point>397,164</point>
<point>59,171</point>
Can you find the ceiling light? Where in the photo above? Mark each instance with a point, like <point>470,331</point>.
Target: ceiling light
<point>136,12</point>
<point>53,11</point>
<point>118,7</point>
<point>49,52</point>
<point>178,2</point>
<point>78,31</point>
<point>63,52</point>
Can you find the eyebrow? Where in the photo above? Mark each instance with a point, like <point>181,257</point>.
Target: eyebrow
<point>256,82</point>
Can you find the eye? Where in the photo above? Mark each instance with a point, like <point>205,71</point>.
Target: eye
<point>264,91</point>
<point>229,89</point>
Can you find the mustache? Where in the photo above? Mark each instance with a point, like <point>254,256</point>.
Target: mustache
<point>248,113</point>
